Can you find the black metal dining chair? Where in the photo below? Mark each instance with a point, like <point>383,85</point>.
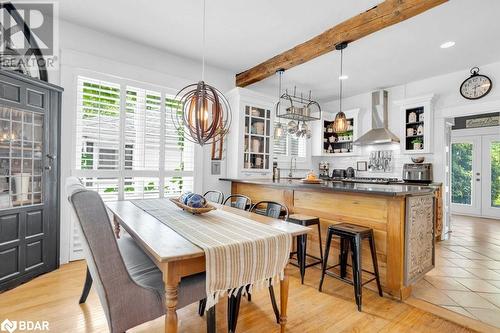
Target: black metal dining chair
<point>275,210</point>
<point>239,201</point>
<point>272,209</point>
<point>214,196</point>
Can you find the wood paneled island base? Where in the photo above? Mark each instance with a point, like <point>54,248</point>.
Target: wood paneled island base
<point>384,212</point>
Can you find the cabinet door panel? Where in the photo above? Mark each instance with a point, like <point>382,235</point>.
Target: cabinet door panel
<point>10,92</point>
<point>34,223</point>
<point>29,178</point>
<point>35,98</point>
<point>9,228</point>
<point>10,263</point>
<point>34,254</point>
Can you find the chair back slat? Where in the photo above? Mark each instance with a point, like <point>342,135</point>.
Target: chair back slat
<point>214,196</point>
<point>273,209</point>
<point>240,201</point>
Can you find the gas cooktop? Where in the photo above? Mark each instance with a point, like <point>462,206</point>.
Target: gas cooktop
<point>372,180</point>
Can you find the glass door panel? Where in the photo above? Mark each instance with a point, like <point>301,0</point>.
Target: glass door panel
<point>465,188</point>
<point>21,147</point>
<point>491,176</point>
<point>495,174</point>
<point>256,138</point>
<point>461,175</point>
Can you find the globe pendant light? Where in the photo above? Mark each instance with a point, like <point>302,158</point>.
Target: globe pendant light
<point>201,109</point>
<point>340,123</point>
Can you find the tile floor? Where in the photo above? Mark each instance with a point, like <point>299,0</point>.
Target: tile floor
<point>466,279</point>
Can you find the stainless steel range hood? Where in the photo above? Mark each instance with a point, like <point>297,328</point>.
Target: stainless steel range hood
<point>379,134</point>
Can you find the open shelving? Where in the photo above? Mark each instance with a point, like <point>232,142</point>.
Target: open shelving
<point>327,143</point>
<point>417,124</point>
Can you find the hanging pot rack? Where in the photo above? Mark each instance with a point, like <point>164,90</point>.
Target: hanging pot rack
<point>295,107</point>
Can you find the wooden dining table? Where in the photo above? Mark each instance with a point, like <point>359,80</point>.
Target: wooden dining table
<point>177,257</point>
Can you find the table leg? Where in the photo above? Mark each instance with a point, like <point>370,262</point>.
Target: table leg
<point>283,301</point>
<point>171,293</point>
<point>117,226</point>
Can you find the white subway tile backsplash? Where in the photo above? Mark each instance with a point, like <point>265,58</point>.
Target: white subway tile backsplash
<point>350,161</point>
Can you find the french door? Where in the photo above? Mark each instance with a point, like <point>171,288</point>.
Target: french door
<point>490,191</point>
<point>475,175</point>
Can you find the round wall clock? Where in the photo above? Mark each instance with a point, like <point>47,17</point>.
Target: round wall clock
<point>476,86</point>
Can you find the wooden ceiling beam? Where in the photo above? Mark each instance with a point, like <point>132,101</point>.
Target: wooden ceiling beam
<point>377,18</point>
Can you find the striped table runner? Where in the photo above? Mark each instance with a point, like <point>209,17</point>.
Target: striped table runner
<point>238,251</point>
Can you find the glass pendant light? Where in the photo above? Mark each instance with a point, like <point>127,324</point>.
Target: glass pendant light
<point>278,129</point>
<point>340,124</point>
<point>201,109</point>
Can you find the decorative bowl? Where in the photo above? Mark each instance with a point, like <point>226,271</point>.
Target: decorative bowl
<point>208,207</point>
<point>419,159</point>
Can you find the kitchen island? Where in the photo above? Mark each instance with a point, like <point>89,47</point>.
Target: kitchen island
<point>401,216</point>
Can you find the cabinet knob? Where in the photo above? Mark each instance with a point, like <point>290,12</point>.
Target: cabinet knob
<point>51,157</point>
<point>48,167</point>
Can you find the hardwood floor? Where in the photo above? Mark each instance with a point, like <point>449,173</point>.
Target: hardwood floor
<point>54,297</point>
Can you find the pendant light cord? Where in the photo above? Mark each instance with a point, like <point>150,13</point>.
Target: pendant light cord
<point>280,78</point>
<point>280,73</point>
<point>203,44</point>
<point>340,78</point>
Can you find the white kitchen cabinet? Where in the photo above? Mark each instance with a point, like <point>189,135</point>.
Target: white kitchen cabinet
<point>249,143</point>
<point>326,143</point>
<point>417,123</point>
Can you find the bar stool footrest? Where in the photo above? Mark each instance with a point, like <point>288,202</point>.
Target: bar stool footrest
<point>338,277</point>
<point>335,275</point>
<point>294,263</point>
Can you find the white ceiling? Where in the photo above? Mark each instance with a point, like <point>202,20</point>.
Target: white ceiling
<point>241,34</point>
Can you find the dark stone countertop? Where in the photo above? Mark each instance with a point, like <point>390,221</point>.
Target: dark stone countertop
<point>338,186</point>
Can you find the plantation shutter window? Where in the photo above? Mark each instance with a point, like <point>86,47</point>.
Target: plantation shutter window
<point>126,144</point>
<point>289,146</point>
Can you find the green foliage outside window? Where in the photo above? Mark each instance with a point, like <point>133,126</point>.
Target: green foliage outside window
<point>100,100</point>
<point>495,174</point>
<point>461,173</point>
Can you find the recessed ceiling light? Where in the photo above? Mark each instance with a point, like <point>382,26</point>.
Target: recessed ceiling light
<point>343,77</point>
<point>446,45</point>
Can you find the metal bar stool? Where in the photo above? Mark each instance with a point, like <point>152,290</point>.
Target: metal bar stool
<point>214,196</point>
<point>351,234</point>
<point>301,252</point>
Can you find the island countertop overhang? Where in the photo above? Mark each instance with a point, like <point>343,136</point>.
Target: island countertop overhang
<point>329,186</point>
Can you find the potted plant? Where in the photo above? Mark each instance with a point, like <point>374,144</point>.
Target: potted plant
<point>417,143</point>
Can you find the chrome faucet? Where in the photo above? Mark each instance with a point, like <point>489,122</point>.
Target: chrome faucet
<point>292,159</point>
